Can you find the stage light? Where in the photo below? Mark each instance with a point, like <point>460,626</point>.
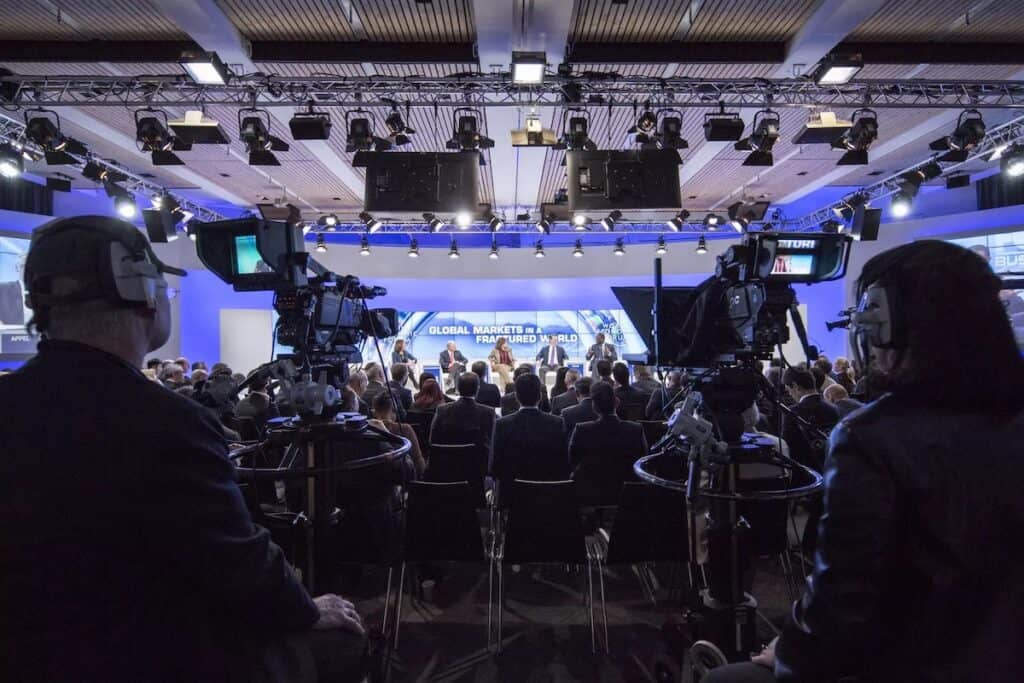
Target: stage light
<point>12,164</point>
<point>662,248</point>
<point>190,230</point>
<point>712,221</point>
<point>306,227</point>
<point>372,224</point>
<point>495,223</point>
<point>466,135</point>
<point>152,136</point>
<point>670,132</point>
<point>360,137</point>
<point>364,246</point>
<point>434,224</point>
<point>968,134</point>
<point>620,248</point>
<point>45,132</point>
<point>580,222</point>
<point>858,138</point>
<point>1012,163</point>
<point>577,134</point>
<point>254,132</point>
<point>494,251</point>
<point>205,68</point>
<point>702,245</point>
<point>837,69</point>
<point>196,129</point>
<point>544,225</point>
<point>321,244</point>
<point>676,223</point>
<point>901,204</point>
<point>329,221</point>
<point>125,205</point>
<point>645,128</point>
<point>310,124</point>
<point>723,126</point>
<point>538,251</point>
<point>414,248</point>
<point>997,153</point>
<point>577,251</point>
<point>608,222</point>
<point>765,133</point>
<point>463,219</point>
<point>743,213</point>
<point>454,251</point>
<point>398,132</point>
<point>528,68</point>
<point>831,226</point>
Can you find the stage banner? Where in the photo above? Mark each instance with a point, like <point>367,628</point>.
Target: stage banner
<point>475,333</point>
<point>15,342</point>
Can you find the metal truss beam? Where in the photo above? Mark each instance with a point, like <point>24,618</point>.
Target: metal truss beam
<point>497,90</point>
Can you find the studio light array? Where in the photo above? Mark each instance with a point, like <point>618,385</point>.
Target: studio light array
<point>576,133</point>
<point>661,248</point>
<point>42,127</point>
<point>538,249</point>
<point>370,223</point>
<point>676,223</point>
<point>360,136</point>
<point>620,247</point>
<point>763,136</point>
<point>152,135</point>
<point>328,222</point>
<point>702,245</point>
<point>254,132</point>
<point>364,246</point>
<point>909,187</point>
<point>453,252</point>
<point>857,140</point>
<point>414,248</point>
<point>466,135</point>
<point>968,134</point>
<point>493,255</point>
<point>661,129</point>
<point>321,244</point>
<point>12,164</point>
<point>609,221</point>
<point>577,251</point>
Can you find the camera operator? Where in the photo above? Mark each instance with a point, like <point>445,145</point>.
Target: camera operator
<point>128,553</point>
<point>919,572</point>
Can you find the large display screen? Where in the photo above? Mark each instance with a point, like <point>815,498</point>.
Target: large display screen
<point>15,342</point>
<point>1005,253</point>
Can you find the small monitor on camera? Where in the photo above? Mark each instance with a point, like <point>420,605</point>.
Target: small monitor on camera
<point>252,254</point>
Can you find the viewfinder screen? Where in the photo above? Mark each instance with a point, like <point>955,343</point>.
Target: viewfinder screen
<point>793,264</point>
<point>247,256</point>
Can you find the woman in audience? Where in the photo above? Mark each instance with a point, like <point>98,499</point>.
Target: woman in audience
<point>559,387</point>
<point>384,417</point>
<point>919,563</point>
<point>429,396</point>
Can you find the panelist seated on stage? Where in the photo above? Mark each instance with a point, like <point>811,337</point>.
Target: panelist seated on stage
<point>452,362</point>
<point>401,355</point>
<point>551,357</point>
<point>600,350</point>
<point>502,360</point>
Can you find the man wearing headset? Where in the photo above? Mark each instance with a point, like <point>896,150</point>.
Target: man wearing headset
<point>126,551</point>
<point>919,568</point>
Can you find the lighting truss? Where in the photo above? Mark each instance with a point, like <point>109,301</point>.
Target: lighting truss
<point>1007,134</point>
<point>11,131</point>
<point>493,89</point>
<point>693,227</point>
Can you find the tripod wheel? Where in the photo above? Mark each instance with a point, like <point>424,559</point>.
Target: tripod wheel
<point>705,656</point>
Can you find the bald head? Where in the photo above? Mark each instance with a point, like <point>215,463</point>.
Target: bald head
<point>835,393</point>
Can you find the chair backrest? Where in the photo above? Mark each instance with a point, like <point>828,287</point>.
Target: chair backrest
<point>543,523</point>
<point>247,428</point>
<point>767,519</point>
<point>650,526</point>
<point>459,462</point>
<point>441,523</point>
<point>421,422</point>
<point>653,430</point>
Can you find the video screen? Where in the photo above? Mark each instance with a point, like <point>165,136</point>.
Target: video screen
<point>248,260</point>
<point>15,342</point>
<point>793,264</point>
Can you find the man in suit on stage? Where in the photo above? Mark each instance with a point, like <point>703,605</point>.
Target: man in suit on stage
<point>452,362</point>
<point>551,357</point>
<point>601,350</point>
<point>529,444</point>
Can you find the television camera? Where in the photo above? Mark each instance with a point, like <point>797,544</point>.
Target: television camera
<point>322,316</point>
<point>735,317</point>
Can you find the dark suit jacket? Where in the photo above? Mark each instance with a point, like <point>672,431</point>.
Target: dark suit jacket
<point>594,353</point>
<point>531,445</point>
<point>662,402</point>
<point>257,406</point>
<point>404,395</point>
<point>489,395</point>
<point>464,421</point>
<point>373,388</point>
<point>563,401</point>
<point>443,359</point>
<point>803,447</point>
<point>509,404</point>
<point>602,454</point>
<point>560,354</point>
<point>128,551</point>
<point>631,401</point>
<point>581,412</point>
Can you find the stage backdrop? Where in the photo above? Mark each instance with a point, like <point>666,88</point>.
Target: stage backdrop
<point>15,343</point>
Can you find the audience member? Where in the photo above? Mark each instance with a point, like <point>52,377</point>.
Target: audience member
<point>603,368</point>
<point>631,402</point>
<point>526,368</point>
<point>141,562</point>
<point>465,420</point>
<point>582,411</point>
<point>664,400</point>
<point>374,382</point>
<point>198,378</point>
<point>399,376</point>
<point>645,382</point>
<point>602,452</point>
<point>384,414</point>
<point>509,402</point>
<point>836,395</point>
<point>429,397</point>
<point>569,397</point>
<point>871,386</point>
<point>488,394</point>
<point>154,364</point>
<point>173,377</point>
<point>357,383</point>
<point>807,446</point>
<point>502,360</point>
<point>529,444</point>
<point>842,373</point>
<point>257,403</point>
<point>559,387</point>
<point>825,366</point>
<point>199,365</point>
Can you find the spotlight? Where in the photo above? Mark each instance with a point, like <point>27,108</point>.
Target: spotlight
<point>434,224</point>
<point>364,246</point>
<point>743,213</point>
<point>528,68</point>
<point>577,134</point>
<point>495,223</point>
<point>398,132</point>
<point>329,221</point>
<point>310,124</point>
<point>372,224</point>
<point>538,251</point>
<point>662,248</point>
<point>670,133</point>
<point>676,223</point>
<point>544,225</point>
<point>414,248</point>
<point>712,221</point>
<point>190,230</point>
<point>761,140</point>
<point>620,248</point>
<point>360,137</point>
<point>125,205</point>
<point>494,251</point>
<point>466,135</point>
<point>831,226</point>
<point>152,136</point>
<point>1012,162</point>
<point>608,222</point>
<point>901,204</point>
<point>858,138</point>
<point>645,128</point>
<point>463,219</point>
<point>580,222</point>
<point>321,244</point>
<point>702,245</point>
<point>577,251</point>
<point>997,153</point>
<point>254,132</point>
<point>205,68</point>
<point>454,251</point>
<point>12,164</point>
<point>910,182</point>
<point>968,134</point>
<point>102,174</point>
<point>723,126</point>
<point>45,132</point>
<point>837,69</point>
<point>306,227</point>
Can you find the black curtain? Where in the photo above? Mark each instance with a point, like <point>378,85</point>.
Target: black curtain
<point>18,194</point>
<point>1000,190</point>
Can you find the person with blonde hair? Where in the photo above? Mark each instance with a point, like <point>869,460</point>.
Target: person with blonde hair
<point>502,361</point>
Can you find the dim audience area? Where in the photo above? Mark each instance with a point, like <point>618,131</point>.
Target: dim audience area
<point>384,341</point>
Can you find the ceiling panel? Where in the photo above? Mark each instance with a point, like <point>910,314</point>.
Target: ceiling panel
<point>953,20</point>
<point>319,20</point>
<point>407,20</point>
<point>85,20</point>
<point>640,22</point>
<point>739,20</point>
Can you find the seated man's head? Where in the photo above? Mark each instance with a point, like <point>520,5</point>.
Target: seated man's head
<point>621,374</point>
<point>374,373</point>
<point>604,369</point>
<point>468,385</point>
<point>450,346</point>
<point>528,390</point>
<point>674,379</point>
<point>357,380</point>
<point>584,386</point>
<point>799,382</point>
<point>603,397</point>
<point>835,393</point>
<point>571,377</point>
<point>524,369</point>
<point>479,368</point>
<point>383,408</point>
<point>399,373</point>
<point>259,383</point>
